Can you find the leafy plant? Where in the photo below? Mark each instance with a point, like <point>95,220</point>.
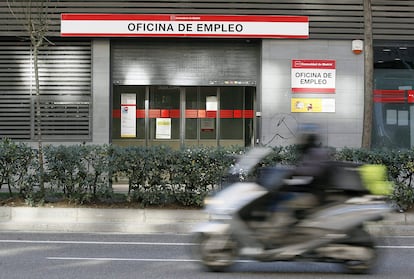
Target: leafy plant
<point>67,168</point>
<point>158,175</point>
<point>99,168</point>
<point>15,163</point>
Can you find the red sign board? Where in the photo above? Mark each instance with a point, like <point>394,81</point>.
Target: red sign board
<point>168,25</point>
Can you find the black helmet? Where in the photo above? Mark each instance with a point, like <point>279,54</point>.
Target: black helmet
<point>309,140</point>
<point>308,136</point>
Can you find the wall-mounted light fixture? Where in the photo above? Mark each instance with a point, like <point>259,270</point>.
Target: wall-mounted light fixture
<point>357,46</point>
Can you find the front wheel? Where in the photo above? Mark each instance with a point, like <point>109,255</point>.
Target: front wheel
<point>216,252</point>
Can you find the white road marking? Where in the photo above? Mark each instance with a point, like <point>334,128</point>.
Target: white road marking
<point>130,259</point>
<point>398,236</point>
<point>396,247</point>
<point>97,242</point>
<point>147,243</point>
<point>120,259</point>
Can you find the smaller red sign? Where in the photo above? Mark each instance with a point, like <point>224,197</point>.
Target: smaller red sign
<point>313,76</point>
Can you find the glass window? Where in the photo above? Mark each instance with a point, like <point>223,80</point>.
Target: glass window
<point>393,96</point>
<point>203,106</point>
<point>208,110</point>
<point>164,112</point>
<point>191,112</point>
<point>231,101</point>
<point>139,91</point>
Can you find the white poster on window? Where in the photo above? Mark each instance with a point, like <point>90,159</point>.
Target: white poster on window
<point>211,103</point>
<point>128,116</point>
<point>403,118</point>
<point>163,128</point>
<point>391,117</point>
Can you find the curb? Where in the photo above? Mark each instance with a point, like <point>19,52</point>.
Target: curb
<point>401,224</point>
<point>99,220</point>
<point>94,220</point>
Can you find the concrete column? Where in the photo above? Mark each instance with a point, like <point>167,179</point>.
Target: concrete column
<point>101,91</point>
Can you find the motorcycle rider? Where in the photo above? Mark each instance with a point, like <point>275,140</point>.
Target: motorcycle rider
<point>306,188</point>
<point>314,163</point>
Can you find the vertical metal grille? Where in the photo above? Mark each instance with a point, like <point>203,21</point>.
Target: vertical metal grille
<point>65,91</point>
<point>15,95</point>
<point>185,62</point>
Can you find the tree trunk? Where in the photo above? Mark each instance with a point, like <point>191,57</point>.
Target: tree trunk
<point>38,116</point>
<point>368,76</point>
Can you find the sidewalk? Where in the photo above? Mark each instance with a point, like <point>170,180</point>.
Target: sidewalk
<point>98,220</point>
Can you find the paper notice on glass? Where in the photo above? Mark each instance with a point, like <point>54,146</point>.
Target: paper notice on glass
<point>128,116</point>
<point>403,118</point>
<point>207,124</point>
<point>211,103</point>
<point>163,128</point>
<point>391,117</point>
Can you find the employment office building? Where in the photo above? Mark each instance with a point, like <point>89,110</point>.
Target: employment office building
<point>216,73</point>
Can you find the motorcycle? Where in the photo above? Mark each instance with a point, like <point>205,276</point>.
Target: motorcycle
<point>273,219</point>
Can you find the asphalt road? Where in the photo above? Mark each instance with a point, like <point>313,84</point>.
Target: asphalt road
<point>62,255</point>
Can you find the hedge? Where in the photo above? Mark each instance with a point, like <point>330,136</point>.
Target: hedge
<point>160,175</point>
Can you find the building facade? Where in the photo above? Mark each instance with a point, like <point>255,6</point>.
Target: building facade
<point>208,73</point>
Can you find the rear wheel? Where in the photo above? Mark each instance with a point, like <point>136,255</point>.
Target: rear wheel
<point>216,252</point>
<point>363,266</point>
<point>367,258</point>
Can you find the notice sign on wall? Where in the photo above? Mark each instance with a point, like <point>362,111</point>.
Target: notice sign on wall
<point>312,105</point>
<point>181,25</point>
<point>128,116</point>
<point>313,76</point>
<point>207,124</point>
<point>163,128</point>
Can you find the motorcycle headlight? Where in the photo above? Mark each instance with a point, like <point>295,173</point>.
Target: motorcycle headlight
<point>217,208</point>
<point>212,202</point>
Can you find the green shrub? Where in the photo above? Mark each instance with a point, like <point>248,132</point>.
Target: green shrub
<point>158,175</point>
<point>129,162</point>
<point>81,172</point>
<point>100,168</point>
<point>66,169</point>
<point>16,167</point>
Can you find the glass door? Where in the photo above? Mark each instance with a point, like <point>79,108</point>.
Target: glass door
<point>219,116</point>
<point>164,116</point>
<point>232,116</point>
<point>201,105</point>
